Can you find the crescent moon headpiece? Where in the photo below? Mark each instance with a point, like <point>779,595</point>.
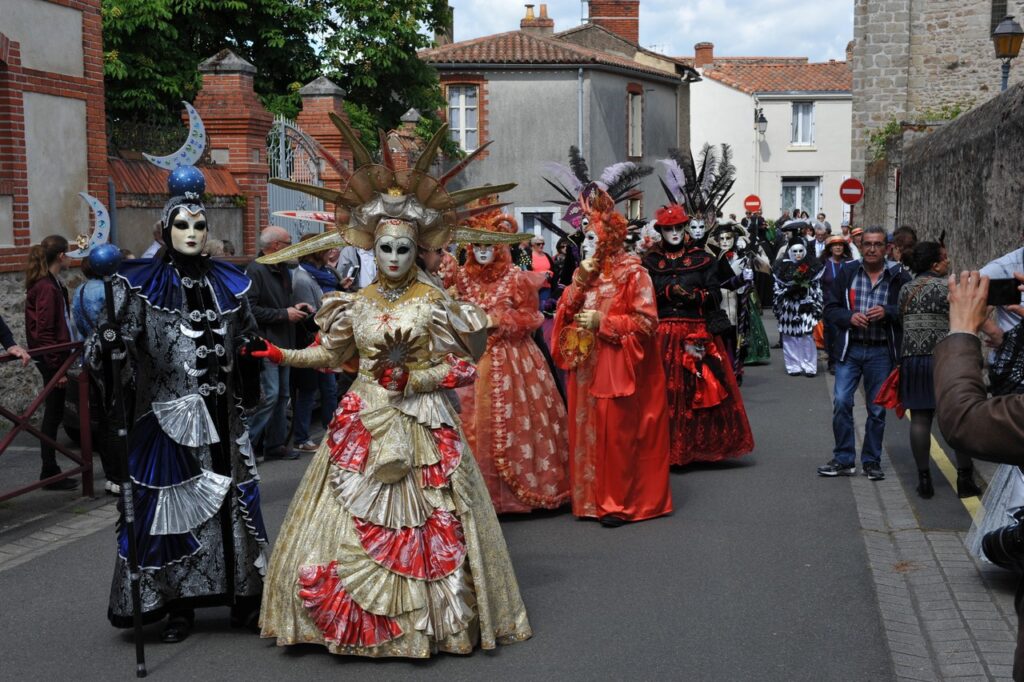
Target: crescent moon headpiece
<point>100,231</point>
<point>186,183</point>
<point>378,197</point>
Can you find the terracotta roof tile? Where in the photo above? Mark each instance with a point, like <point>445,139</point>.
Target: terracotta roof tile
<point>782,77</point>
<point>516,47</point>
<point>141,177</point>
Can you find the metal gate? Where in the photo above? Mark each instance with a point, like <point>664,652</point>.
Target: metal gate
<point>293,155</point>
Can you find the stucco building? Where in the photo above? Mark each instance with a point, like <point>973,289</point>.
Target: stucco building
<point>804,153</point>
<point>535,92</point>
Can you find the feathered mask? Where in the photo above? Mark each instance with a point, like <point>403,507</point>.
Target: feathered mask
<point>617,180</point>
<point>702,188</point>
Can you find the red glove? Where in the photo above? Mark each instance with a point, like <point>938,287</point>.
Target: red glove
<point>394,379</point>
<point>271,352</point>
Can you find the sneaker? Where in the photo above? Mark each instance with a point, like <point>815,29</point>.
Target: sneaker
<point>308,446</point>
<point>835,468</point>
<point>112,488</point>
<point>873,470</point>
<point>281,452</point>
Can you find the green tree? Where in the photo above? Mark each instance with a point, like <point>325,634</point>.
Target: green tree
<point>152,48</point>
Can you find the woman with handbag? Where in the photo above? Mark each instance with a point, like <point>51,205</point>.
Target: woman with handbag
<point>924,315</point>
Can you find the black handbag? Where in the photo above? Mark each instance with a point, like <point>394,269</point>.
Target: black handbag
<point>1006,374</point>
<point>717,322</point>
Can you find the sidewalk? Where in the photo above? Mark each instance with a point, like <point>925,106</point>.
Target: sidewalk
<point>947,616</point>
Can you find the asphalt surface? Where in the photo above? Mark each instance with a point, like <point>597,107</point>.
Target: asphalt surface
<point>761,573</point>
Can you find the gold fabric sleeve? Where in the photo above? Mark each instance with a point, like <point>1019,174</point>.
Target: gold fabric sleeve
<point>459,328</point>
<point>336,341</point>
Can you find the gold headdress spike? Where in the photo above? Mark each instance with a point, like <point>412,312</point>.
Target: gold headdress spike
<point>328,240</point>
<point>376,192</point>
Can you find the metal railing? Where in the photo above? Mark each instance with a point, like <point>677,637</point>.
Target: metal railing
<point>23,422</point>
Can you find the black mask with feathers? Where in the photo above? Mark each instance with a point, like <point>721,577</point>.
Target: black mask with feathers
<point>702,187</point>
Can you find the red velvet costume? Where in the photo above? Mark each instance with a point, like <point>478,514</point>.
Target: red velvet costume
<point>618,426</point>
<point>707,419</point>
<point>513,417</point>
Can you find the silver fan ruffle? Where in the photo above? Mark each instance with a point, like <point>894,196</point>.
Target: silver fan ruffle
<point>187,421</point>
<point>183,507</point>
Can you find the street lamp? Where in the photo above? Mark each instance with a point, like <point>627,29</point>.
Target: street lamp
<point>1007,39</point>
<point>760,122</point>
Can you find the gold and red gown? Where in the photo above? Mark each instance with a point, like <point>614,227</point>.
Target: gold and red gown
<point>391,546</point>
<point>513,417</point>
<point>707,419</point>
<point>618,422</point>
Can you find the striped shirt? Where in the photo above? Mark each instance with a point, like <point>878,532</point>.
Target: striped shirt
<point>863,296</point>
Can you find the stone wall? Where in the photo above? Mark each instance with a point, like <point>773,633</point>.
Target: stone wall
<point>912,56</point>
<point>872,210</point>
<point>967,178</point>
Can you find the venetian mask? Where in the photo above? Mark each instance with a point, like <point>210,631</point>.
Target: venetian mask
<point>590,242</point>
<point>726,240</point>
<point>483,253</point>
<point>673,234</point>
<point>188,232</point>
<point>395,256</point>
<point>695,228</point>
<point>797,252</point>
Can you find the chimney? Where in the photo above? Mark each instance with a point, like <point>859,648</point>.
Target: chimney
<point>537,26</point>
<point>447,35</point>
<point>621,17</point>
<point>703,54</point>
<point>849,51</point>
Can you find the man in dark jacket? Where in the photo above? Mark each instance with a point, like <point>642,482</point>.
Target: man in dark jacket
<point>862,307</point>
<point>270,298</point>
<point>989,428</point>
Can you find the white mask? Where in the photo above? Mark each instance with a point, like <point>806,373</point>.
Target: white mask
<point>395,256</point>
<point>483,253</point>
<point>696,229</point>
<point>726,241</point>
<point>797,253</point>
<point>673,235</point>
<point>590,242</point>
<point>189,233</point>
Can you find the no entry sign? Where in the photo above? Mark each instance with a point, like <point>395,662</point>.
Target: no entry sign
<point>752,203</point>
<point>851,191</point>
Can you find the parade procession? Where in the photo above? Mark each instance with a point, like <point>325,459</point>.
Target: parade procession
<point>463,335</point>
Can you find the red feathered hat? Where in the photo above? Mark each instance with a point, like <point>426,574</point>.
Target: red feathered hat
<point>673,214</point>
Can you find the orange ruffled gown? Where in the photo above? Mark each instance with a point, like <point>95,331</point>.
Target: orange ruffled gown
<point>514,419</point>
<point>618,426</point>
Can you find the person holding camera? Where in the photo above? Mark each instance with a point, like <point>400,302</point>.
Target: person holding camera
<point>270,298</point>
<point>991,429</point>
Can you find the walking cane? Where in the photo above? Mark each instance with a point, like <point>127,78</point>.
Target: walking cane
<point>105,260</point>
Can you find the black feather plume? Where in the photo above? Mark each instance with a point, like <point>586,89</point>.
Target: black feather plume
<point>685,162</point>
<point>578,165</point>
<point>560,188</point>
<point>628,181</point>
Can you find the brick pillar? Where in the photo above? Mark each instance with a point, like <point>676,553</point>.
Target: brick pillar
<point>320,98</point>
<point>13,162</point>
<point>621,17</point>
<point>237,125</point>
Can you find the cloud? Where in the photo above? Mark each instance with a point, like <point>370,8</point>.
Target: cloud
<point>817,29</point>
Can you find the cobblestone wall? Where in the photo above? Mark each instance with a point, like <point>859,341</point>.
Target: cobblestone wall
<point>967,178</point>
<point>911,56</point>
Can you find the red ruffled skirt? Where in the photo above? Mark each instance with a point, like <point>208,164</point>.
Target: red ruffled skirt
<point>707,420</point>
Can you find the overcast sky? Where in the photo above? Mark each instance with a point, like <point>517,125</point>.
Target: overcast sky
<point>818,29</point>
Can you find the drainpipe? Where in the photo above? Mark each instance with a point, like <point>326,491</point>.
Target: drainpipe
<point>579,109</point>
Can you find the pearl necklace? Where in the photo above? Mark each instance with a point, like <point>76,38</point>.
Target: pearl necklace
<point>392,295</point>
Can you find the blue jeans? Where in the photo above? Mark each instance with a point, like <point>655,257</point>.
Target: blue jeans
<point>305,395</point>
<point>873,364</point>
<point>271,414</point>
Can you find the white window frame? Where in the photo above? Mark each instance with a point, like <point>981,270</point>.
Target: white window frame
<point>459,133</point>
<point>634,208</point>
<point>634,124</point>
<point>797,136</point>
<point>800,184</point>
<point>550,238</point>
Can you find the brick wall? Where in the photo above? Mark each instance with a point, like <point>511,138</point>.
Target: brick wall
<point>621,17</point>
<point>314,119</point>
<point>15,80</point>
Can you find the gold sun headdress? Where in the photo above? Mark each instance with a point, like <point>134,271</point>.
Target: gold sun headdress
<point>377,199</point>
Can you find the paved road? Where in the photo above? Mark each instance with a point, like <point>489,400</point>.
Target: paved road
<point>763,572</point>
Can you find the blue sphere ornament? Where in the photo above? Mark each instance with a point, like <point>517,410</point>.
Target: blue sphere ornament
<point>186,181</point>
<point>105,259</point>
